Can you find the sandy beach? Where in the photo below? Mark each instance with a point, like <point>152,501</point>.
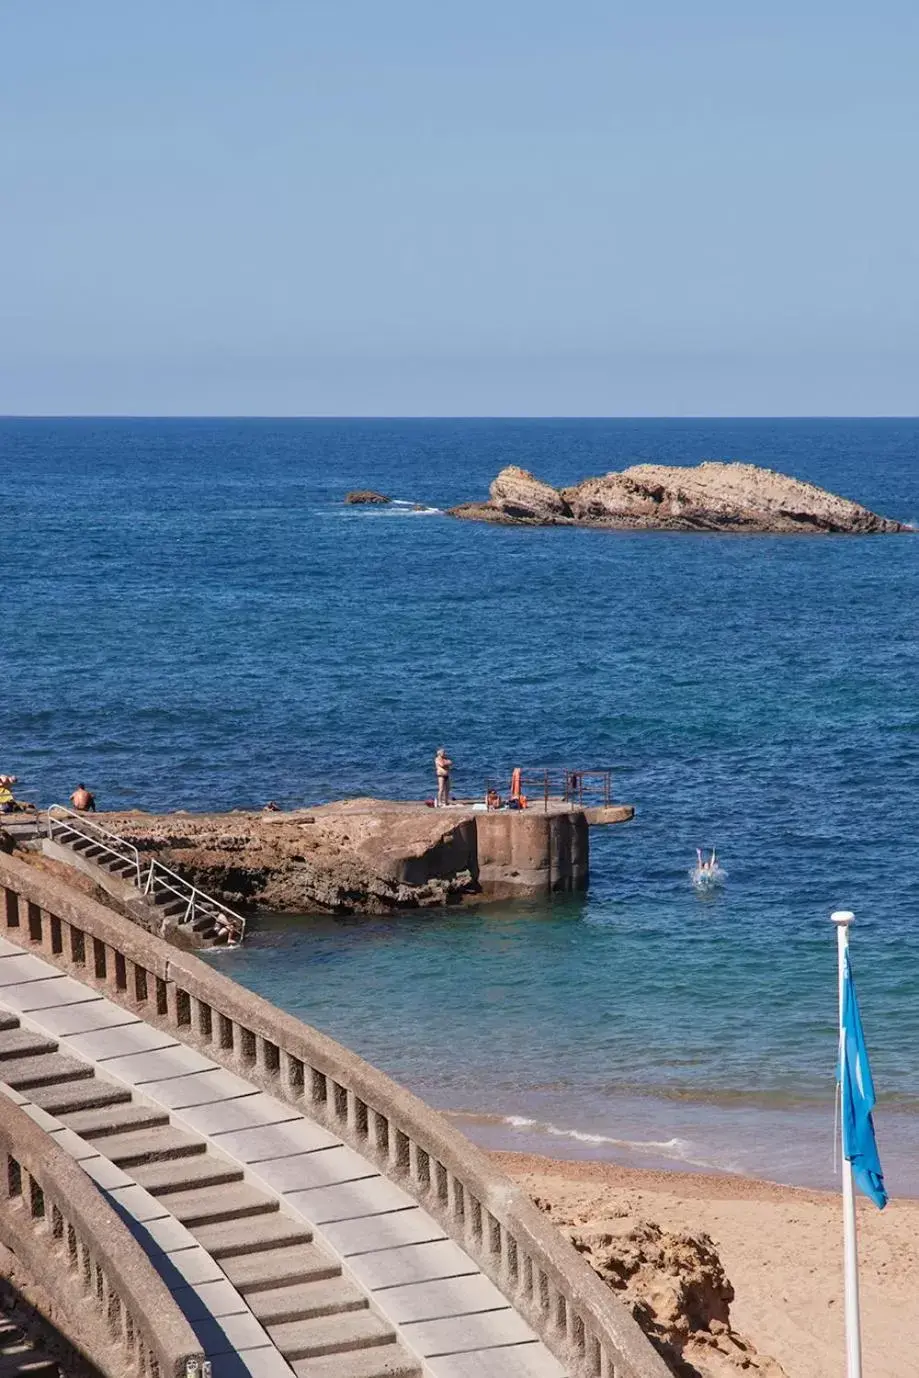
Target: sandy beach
<point>781,1249</point>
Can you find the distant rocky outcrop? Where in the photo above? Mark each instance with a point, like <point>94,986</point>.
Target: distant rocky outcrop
<point>711,496</point>
<point>366,495</point>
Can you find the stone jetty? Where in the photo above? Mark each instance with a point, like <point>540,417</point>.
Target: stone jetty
<point>372,856</point>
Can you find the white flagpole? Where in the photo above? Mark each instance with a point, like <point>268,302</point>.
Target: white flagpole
<point>842,920</point>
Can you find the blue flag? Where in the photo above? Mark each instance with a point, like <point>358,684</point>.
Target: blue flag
<point>858,1142</point>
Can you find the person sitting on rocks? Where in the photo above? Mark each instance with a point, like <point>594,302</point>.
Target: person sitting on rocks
<point>492,800</point>
<point>7,802</point>
<point>442,767</point>
<point>82,800</point>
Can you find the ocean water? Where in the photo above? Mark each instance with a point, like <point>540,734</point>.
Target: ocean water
<point>189,618</point>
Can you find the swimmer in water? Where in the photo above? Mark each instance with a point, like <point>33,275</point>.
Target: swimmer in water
<point>707,873</point>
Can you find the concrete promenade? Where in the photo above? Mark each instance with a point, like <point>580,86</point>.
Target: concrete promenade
<point>307,1215</point>
<point>197,1158</point>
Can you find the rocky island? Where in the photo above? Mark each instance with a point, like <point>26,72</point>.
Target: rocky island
<point>711,496</point>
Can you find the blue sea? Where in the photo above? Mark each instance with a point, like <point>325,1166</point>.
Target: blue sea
<point>190,618</point>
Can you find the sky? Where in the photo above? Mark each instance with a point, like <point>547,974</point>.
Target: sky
<point>346,207</point>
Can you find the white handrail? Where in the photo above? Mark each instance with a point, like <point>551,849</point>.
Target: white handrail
<point>65,825</point>
<point>92,831</point>
<point>196,899</point>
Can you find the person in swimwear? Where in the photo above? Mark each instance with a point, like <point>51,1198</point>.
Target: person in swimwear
<point>442,767</point>
<point>82,800</point>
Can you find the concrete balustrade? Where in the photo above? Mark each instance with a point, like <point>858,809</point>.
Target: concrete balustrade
<point>108,1299</point>
<point>515,1245</point>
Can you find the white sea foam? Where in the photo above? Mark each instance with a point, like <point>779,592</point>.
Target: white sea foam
<point>669,1148</point>
<point>399,507</point>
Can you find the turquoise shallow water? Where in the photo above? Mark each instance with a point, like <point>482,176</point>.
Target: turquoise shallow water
<point>190,619</point>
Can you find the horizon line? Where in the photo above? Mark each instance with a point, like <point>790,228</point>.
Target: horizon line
<point>446,416</point>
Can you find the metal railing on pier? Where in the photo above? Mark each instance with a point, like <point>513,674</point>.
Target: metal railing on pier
<point>584,788</point>
<point>198,904</point>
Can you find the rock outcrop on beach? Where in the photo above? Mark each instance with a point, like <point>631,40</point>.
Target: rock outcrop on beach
<point>365,495</point>
<point>676,1288</point>
<point>711,496</point>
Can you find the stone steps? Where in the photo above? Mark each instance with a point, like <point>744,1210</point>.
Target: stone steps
<point>89,1094</point>
<point>304,1301</point>
<point>43,1069</point>
<point>184,1175</point>
<point>211,926</point>
<point>149,1144</point>
<point>231,1239</point>
<point>16,1043</point>
<point>210,1205</point>
<point>337,1334</point>
<point>269,1268</point>
<point>22,1361</point>
<point>321,1322</point>
<point>383,1361</point>
<point>120,1117</point>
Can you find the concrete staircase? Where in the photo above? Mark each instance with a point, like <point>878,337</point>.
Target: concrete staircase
<point>169,906</point>
<point>20,827</point>
<point>117,865</point>
<point>321,1322</point>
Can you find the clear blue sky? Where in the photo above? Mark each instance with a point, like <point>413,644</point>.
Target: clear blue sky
<point>649,207</point>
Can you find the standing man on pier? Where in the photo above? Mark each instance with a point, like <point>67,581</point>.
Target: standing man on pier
<point>442,767</point>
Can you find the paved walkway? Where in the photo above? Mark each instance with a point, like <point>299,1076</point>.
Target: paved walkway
<point>288,1252</point>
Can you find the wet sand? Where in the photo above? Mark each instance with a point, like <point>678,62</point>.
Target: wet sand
<point>781,1248</point>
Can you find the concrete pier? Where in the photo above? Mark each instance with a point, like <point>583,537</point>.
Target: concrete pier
<point>368,855</point>
<point>532,852</point>
<point>507,852</point>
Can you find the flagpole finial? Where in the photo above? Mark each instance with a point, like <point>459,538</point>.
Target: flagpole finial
<point>842,917</point>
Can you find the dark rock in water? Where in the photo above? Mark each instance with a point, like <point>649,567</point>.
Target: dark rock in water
<point>364,495</point>
<point>710,496</point>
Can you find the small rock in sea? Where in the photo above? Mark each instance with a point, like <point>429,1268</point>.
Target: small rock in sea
<point>365,495</point>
